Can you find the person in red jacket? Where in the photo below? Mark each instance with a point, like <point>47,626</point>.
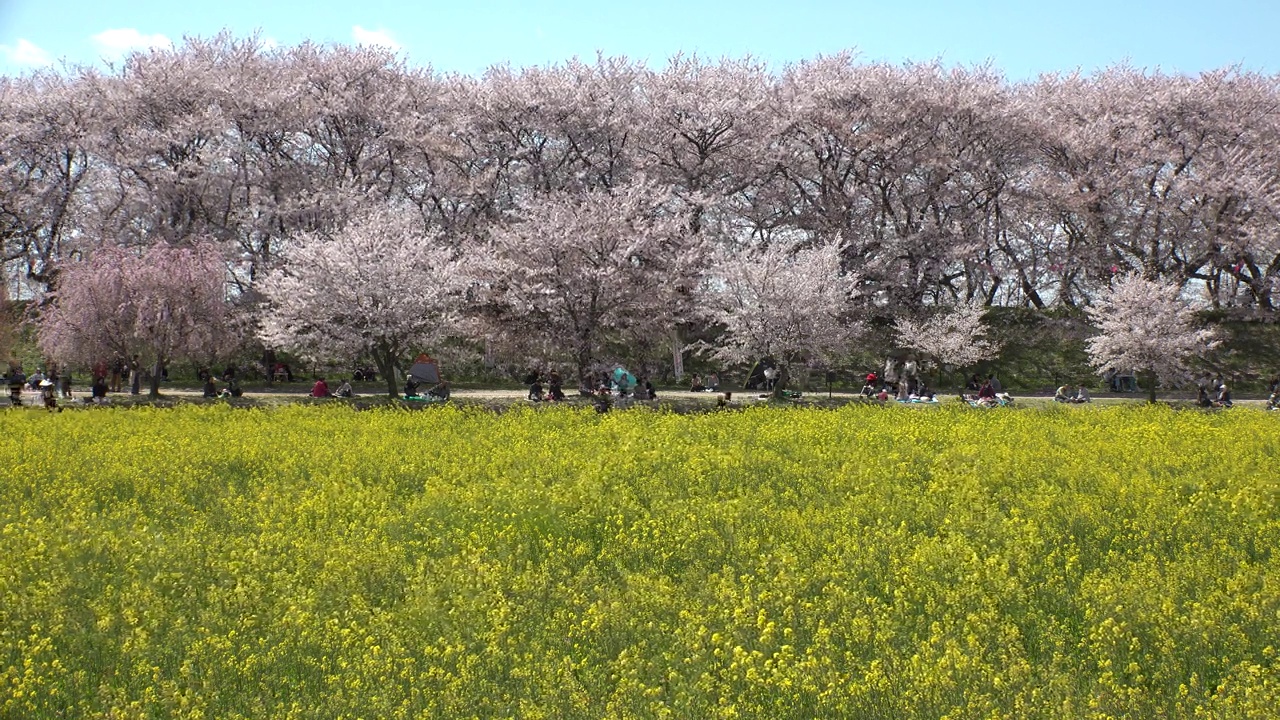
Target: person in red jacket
<point>320,389</point>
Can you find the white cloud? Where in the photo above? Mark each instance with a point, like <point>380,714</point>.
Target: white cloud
<point>116,43</point>
<point>26,53</point>
<point>378,38</point>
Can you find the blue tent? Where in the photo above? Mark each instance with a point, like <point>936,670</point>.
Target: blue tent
<point>623,379</point>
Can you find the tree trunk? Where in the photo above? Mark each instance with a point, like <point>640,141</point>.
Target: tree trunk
<point>269,365</point>
<point>677,354</point>
<point>584,360</point>
<point>490,362</point>
<point>780,382</point>
<point>1150,377</point>
<point>155,378</point>
<point>385,359</point>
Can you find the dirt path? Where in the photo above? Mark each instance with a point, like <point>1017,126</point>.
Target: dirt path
<point>280,396</point>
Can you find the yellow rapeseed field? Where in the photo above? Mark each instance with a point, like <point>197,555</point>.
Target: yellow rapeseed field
<point>318,562</point>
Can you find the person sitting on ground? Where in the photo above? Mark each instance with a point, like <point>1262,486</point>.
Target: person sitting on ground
<point>320,389</point>
<point>1224,397</point>
<point>1063,394</point>
<point>439,391</point>
<point>695,384</point>
<point>986,393</point>
<point>410,388</point>
<point>1273,402</point>
<point>883,395</point>
<point>974,384</point>
<point>1202,397</point>
<point>1082,395</point>
<point>535,390</point>
<point>210,388</point>
<point>344,390</point>
<point>924,394</point>
<point>649,392</point>
<point>602,400</point>
<point>712,383</point>
<point>555,387</point>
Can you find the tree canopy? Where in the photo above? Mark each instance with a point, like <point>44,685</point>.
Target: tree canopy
<point>943,186</point>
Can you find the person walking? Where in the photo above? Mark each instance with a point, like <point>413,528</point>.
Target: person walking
<point>16,380</point>
<point>117,371</point>
<point>135,375</point>
<point>48,394</point>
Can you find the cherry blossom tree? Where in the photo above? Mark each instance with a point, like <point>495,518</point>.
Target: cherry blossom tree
<point>1164,175</point>
<point>953,336</point>
<point>1147,326</point>
<point>8,323</point>
<point>786,303</point>
<point>47,124</point>
<point>908,164</point>
<point>946,185</point>
<point>560,128</point>
<point>378,287</point>
<point>162,303</point>
<point>705,129</point>
<point>580,270</point>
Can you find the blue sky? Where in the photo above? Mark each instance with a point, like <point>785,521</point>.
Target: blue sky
<point>1021,38</point>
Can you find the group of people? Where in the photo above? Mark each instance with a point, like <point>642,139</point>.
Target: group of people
<point>1220,398</point>
<point>230,378</point>
<point>710,384</point>
<point>554,391</point>
<point>549,387</point>
<point>1120,380</point>
<point>1064,395</point>
<point>439,391</point>
<point>903,385</point>
<point>119,370</point>
<point>51,385</point>
<point>16,379</point>
<point>989,395</point>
